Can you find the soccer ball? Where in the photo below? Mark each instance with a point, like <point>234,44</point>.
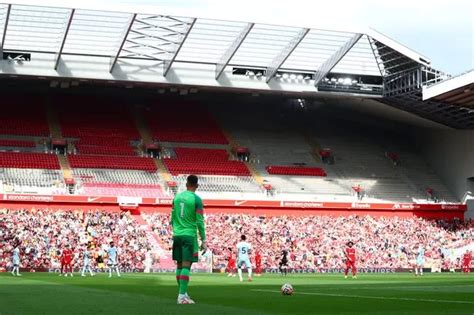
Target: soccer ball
<point>286,289</point>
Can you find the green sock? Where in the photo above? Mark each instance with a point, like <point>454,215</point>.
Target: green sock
<point>178,273</point>
<point>184,280</point>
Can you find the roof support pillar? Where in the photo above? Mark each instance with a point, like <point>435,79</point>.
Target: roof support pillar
<point>168,63</point>
<point>327,66</point>
<point>276,63</point>
<point>66,31</point>
<point>124,38</point>
<point>2,43</point>
<point>230,52</point>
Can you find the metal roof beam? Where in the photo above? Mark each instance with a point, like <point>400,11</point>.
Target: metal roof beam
<point>400,64</point>
<point>66,31</point>
<point>230,52</point>
<point>330,63</point>
<point>162,38</point>
<point>168,63</point>
<point>279,60</point>
<point>2,43</point>
<point>124,39</point>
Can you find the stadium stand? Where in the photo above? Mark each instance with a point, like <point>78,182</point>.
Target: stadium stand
<point>106,144</point>
<point>112,162</point>
<point>90,175</point>
<point>28,160</point>
<point>205,162</point>
<point>115,189</point>
<point>222,184</point>
<point>360,160</point>
<point>123,149</point>
<point>316,241</point>
<point>183,123</point>
<point>17,143</point>
<point>97,126</point>
<point>45,240</point>
<point>278,138</point>
<point>295,170</point>
<point>24,116</point>
<point>24,180</point>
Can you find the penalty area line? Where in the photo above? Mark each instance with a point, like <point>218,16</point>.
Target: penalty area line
<point>372,297</point>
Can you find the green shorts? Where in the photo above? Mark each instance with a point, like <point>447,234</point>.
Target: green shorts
<point>185,248</point>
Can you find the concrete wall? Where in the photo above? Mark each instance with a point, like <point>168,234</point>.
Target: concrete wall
<point>469,214</point>
<point>451,155</point>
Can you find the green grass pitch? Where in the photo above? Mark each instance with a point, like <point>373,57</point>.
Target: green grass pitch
<point>43,293</point>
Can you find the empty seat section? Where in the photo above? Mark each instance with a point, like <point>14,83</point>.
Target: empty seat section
<point>29,160</point>
<point>17,143</point>
<point>104,150</point>
<point>115,189</point>
<point>112,162</point>
<point>204,161</point>
<point>295,170</point>
<point>102,126</point>
<point>30,177</point>
<point>23,116</point>
<point>212,183</point>
<point>184,122</point>
<point>88,175</point>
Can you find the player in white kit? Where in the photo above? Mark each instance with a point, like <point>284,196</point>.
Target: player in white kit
<point>243,252</point>
<point>87,262</point>
<point>420,260</point>
<point>113,259</point>
<point>16,261</point>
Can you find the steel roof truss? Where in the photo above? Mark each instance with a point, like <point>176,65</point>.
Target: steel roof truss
<point>279,60</point>
<point>232,49</point>
<point>330,63</point>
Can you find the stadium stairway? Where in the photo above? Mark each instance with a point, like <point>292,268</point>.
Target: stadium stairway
<point>145,133</point>
<point>55,132</point>
<point>314,145</point>
<point>253,171</point>
<point>166,261</point>
<point>53,122</point>
<point>147,138</point>
<point>65,167</point>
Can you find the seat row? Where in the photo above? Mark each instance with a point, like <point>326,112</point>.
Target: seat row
<point>17,143</point>
<point>28,160</point>
<point>112,162</point>
<point>295,170</point>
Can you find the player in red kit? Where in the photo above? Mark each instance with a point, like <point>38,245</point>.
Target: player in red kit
<point>350,254</point>
<point>466,262</point>
<point>66,261</point>
<point>231,264</point>
<point>258,264</point>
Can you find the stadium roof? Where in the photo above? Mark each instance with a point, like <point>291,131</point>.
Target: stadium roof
<point>137,46</point>
<point>167,39</point>
<point>458,90</point>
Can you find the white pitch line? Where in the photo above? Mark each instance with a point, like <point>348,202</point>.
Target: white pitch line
<point>373,297</point>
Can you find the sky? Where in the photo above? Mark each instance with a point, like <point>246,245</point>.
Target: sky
<point>443,31</point>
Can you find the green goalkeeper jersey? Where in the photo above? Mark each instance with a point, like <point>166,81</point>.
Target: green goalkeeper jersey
<point>187,215</point>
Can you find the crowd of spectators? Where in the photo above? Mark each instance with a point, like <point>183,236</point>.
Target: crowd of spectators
<point>318,241</point>
<point>312,242</point>
<point>42,234</point>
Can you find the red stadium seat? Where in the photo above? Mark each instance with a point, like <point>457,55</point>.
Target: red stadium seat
<point>112,162</point>
<point>184,122</point>
<point>24,116</point>
<point>115,189</point>
<point>17,143</point>
<point>205,162</point>
<point>295,170</point>
<point>29,160</point>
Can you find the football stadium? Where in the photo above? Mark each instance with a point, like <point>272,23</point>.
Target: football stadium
<point>150,160</point>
